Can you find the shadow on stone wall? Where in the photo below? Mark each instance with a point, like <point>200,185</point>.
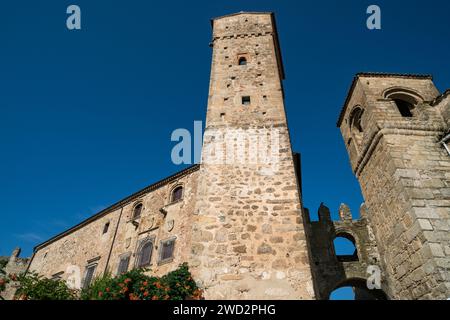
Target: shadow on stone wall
<point>332,271</point>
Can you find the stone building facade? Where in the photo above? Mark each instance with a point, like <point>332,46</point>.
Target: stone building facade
<point>238,219</point>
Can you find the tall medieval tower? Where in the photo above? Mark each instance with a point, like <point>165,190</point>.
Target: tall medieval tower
<point>248,237</point>
<point>392,126</point>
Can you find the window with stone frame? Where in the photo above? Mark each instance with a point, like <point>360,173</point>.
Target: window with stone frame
<point>123,264</point>
<point>242,61</point>
<point>166,250</point>
<point>177,194</point>
<point>246,100</point>
<point>405,101</point>
<point>144,254</point>
<point>137,211</point>
<point>89,275</point>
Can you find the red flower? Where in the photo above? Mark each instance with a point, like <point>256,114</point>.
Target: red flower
<point>107,289</point>
<point>145,293</point>
<point>100,293</point>
<point>134,297</point>
<point>145,283</point>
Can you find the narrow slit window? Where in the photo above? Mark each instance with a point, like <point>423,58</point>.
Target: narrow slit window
<point>105,228</point>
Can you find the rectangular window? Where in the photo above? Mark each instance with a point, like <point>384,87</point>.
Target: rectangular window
<point>246,100</point>
<point>166,250</point>
<point>89,275</point>
<point>123,264</point>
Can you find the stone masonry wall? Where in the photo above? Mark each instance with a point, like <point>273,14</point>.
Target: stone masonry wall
<point>248,239</point>
<point>331,271</point>
<point>404,176</point>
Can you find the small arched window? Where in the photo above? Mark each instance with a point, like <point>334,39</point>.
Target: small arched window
<point>404,107</point>
<point>242,61</point>
<point>355,119</point>
<point>137,211</point>
<point>145,254</point>
<point>405,100</point>
<point>177,194</point>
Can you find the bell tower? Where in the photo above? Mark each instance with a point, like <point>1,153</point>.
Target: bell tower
<point>248,239</point>
<point>393,126</point>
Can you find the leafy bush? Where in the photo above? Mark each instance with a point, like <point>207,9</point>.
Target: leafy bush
<point>31,286</point>
<point>136,285</point>
<point>3,282</point>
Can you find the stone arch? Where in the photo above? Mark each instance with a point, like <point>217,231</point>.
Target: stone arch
<point>350,237</point>
<point>176,193</point>
<point>405,99</point>
<point>137,209</point>
<point>362,292</point>
<point>355,119</point>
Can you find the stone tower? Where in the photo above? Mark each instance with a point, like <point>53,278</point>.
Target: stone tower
<point>248,239</point>
<point>393,126</point>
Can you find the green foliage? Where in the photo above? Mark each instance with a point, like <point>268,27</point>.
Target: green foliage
<point>31,286</point>
<point>3,264</point>
<point>136,285</point>
<point>3,282</point>
<point>180,284</point>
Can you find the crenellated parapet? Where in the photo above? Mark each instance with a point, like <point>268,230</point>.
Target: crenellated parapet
<point>330,270</point>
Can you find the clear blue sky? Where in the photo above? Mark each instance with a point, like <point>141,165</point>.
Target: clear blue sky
<point>86,116</point>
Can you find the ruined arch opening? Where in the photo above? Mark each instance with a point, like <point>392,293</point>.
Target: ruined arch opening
<point>355,289</point>
<point>345,247</point>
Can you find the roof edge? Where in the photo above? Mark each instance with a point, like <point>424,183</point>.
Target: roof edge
<point>117,205</point>
<point>240,12</point>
